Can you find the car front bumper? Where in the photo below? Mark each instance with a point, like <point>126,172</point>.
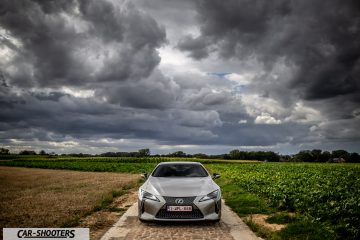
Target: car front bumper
<point>150,210</point>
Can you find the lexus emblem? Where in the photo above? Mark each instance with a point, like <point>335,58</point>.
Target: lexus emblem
<point>179,201</point>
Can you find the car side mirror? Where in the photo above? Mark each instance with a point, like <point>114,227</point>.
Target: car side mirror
<point>216,176</point>
<point>144,175</point>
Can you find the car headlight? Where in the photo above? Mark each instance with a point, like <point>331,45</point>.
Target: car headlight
<point>212,195</point>
<point>147,195</point>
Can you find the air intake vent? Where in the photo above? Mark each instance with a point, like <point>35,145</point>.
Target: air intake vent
<point>175,200</point>
<point>194,214</point>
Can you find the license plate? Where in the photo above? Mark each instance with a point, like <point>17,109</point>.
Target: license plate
<point>179,208</point>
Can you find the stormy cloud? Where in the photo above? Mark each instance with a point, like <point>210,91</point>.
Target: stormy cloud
<point>204,75</point>
<point>318,41</point>
<point>75,43</point>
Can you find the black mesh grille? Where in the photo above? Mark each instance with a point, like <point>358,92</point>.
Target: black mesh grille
<point>194,214</point>
<point>187,201</point>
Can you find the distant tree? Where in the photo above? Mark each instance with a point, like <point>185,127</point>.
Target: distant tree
<point>144,152</point>
<point>178,154</point>
<point>27,152</point>
<point>200,156</point>
<point>316,155</point>
<point>354,158</point>
<point>285,158</point>
<point>254,155</point>
<point>42,152</point>
<point>75,154</point>
<point>108,154</point>
<point>325,156</point>
<point>303,156</point>
<point>226,156</point>
<point>122,154</point>
<point>234,154</point>
<point>132,154</point>
<point>340,154</point>
<point>4,151</point>
<point>269,156</point>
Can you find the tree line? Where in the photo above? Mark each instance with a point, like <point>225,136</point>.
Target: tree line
<point>315,155</point>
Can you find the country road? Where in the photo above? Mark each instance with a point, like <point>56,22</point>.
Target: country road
<point>231,227</point>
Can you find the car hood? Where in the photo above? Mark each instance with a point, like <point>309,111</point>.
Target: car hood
<point>180,187</point>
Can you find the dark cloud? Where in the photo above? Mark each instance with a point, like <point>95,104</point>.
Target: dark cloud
<point>306,52</point>
<point>206,99</point>
<point>31,117</point>
<point>75,43</point>
<point>51,96</point>
<point>177,16</point>
<point>154,92</point>
<point>198,47</point>
<point>52,117</point>
<point>320,40</point>
<point>87,75</point>
<point>261,135</point>
<point>197,119</point>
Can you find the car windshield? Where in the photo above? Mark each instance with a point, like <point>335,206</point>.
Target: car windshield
<point>180,170</point>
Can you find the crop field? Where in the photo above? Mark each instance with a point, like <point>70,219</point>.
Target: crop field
<point>327,194</point>
<point>100,164</point>
<point>52,198</point>
<point>324,197</point>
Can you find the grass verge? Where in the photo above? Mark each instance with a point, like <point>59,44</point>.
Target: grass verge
<point>242,202</point>
<point>281,218</point>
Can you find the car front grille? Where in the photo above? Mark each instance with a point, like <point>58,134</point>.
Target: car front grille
<point>187,201</point>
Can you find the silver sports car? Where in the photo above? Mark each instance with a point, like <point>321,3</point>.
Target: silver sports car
<point>179,191</point>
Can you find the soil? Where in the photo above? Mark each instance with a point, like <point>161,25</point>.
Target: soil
<point>260,219</point>
<point>53,198</point>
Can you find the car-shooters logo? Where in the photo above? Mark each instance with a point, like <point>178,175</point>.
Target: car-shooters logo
<point>46,233</point>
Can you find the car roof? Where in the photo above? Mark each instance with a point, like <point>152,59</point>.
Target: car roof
<point>179,162</point>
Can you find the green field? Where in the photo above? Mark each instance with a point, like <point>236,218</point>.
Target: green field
<point>325,197</point>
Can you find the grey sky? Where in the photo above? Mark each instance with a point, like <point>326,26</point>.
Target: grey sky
<point>197,76</point>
